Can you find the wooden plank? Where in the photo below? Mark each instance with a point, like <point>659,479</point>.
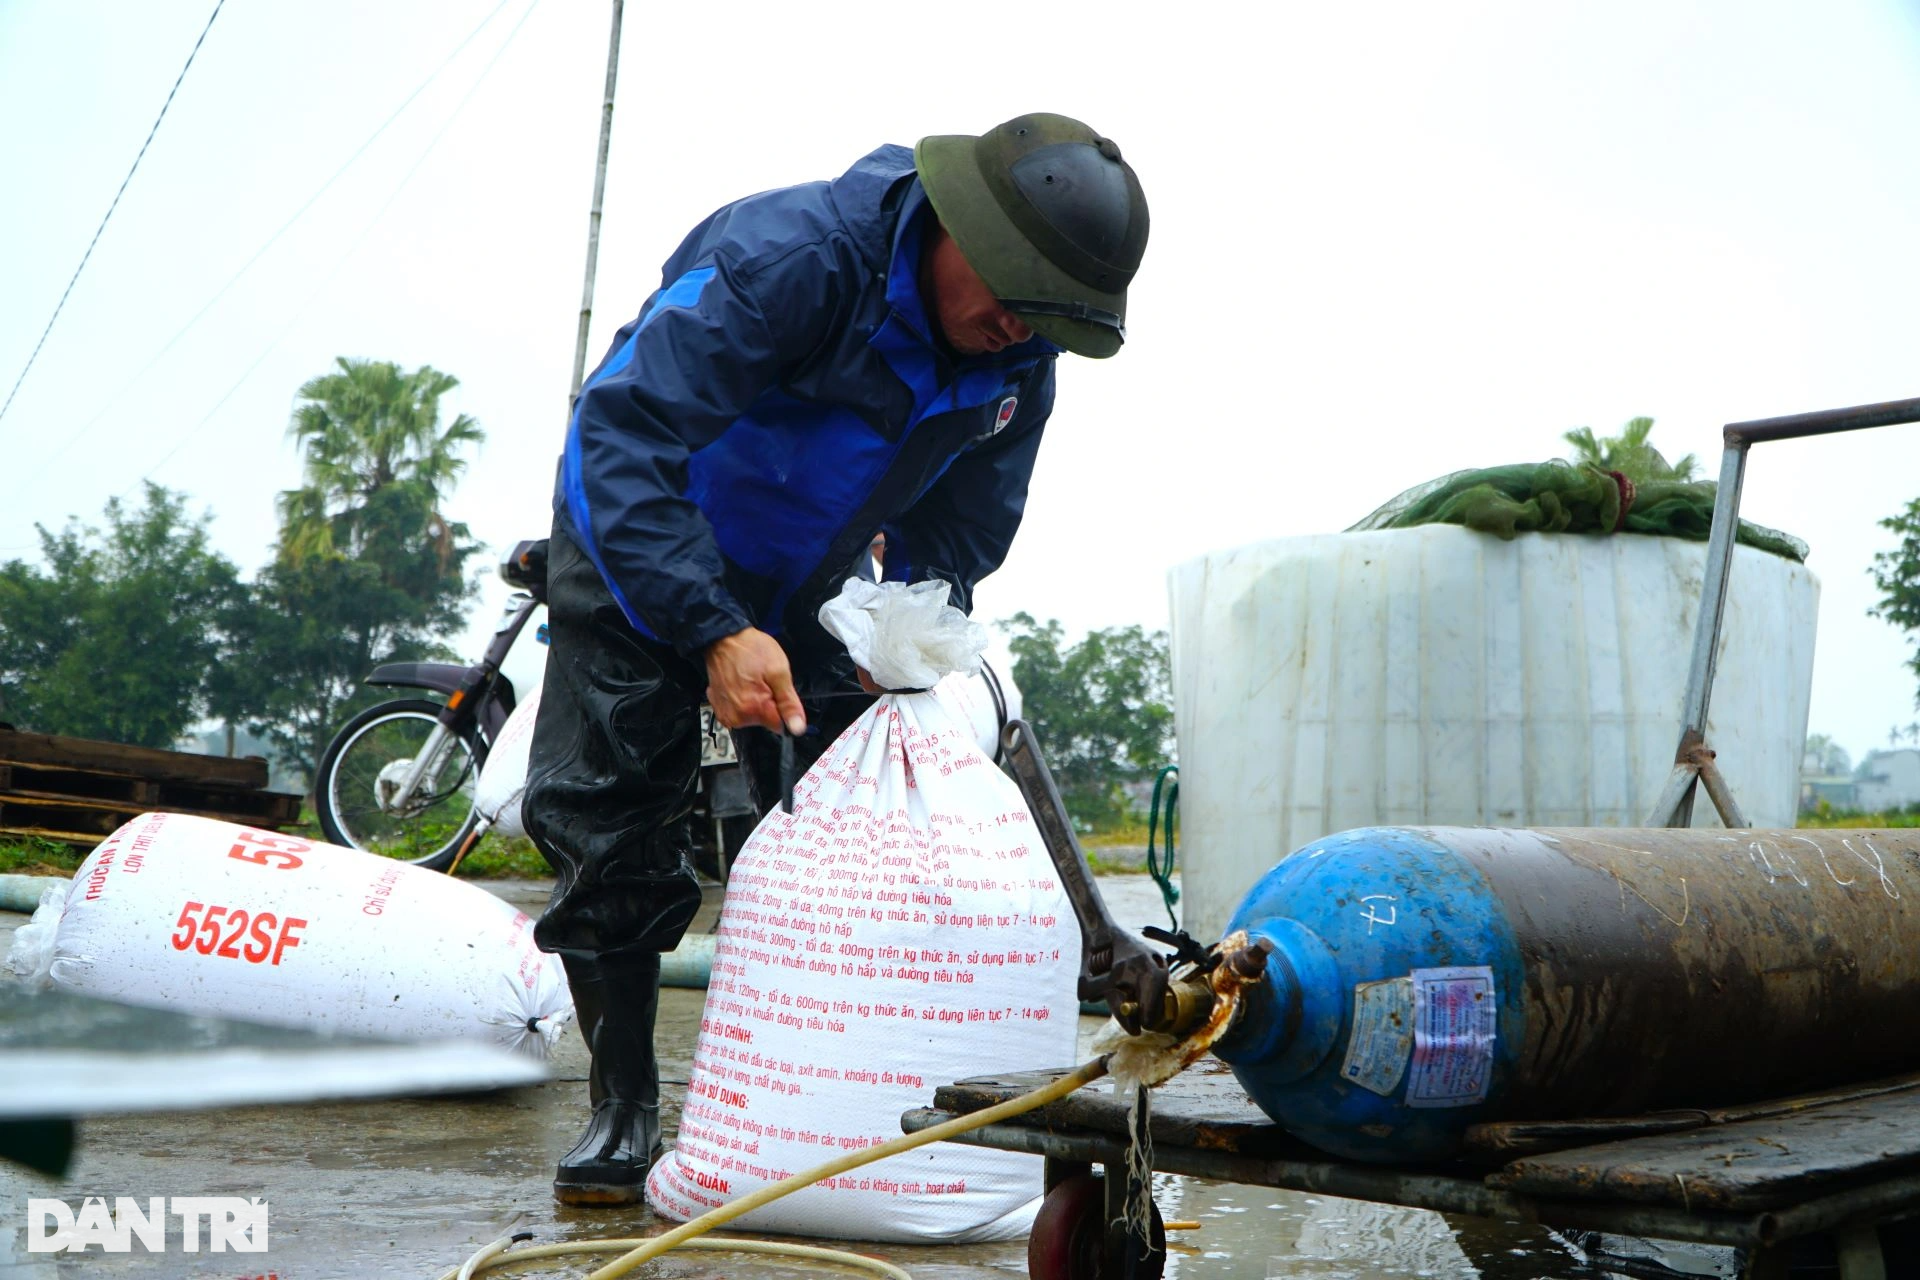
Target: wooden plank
<point>17,747</point>
<point>35,780</point>
<point>1760,1163</point>
<point>270,809</point>
<point>1203,1107</point>
<point>27,816</point>
<point>1511,1138</point>
<point>237,806</point>
<point>80,839</point>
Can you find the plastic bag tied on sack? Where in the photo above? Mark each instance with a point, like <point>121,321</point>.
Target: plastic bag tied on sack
<point>905,636</point>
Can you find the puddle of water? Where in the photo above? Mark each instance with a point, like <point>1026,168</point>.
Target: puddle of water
<point>1257,1232</point>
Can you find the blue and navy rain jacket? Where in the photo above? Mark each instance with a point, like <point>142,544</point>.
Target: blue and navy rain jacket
<point>780,399</point>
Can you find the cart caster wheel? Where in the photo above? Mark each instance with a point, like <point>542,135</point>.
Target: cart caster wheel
<point>1070,1231</point>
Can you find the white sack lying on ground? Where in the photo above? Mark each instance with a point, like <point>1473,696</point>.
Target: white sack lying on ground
<point>901,928</point>
<point>212,918</point>
<point>503,779</point>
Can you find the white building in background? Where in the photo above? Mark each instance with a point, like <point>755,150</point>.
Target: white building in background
<point>1888,780</point>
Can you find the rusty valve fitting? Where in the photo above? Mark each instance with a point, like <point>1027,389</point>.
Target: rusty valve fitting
<point>1192,993</point>
<point>1188,1001</point>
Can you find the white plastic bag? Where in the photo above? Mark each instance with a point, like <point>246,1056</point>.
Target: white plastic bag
<point>901,928</point>
<point>212,918</point>
<point>904,636</point>
<point>503,779</point>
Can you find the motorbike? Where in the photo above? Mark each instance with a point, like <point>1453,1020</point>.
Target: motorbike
<point>400,778</point>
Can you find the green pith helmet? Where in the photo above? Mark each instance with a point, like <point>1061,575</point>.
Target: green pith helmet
<point>1050,217</point>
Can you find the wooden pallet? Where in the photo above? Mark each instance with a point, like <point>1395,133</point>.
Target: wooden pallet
<point>78,791</point>
<point>1752,1177</point>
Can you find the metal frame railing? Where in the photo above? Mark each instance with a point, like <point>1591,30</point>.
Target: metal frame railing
<point>1693,763</point>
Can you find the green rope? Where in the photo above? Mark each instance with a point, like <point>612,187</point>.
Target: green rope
<point>1164,877</point>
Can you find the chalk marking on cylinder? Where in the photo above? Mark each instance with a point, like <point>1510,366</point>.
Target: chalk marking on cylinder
<point>1686,901</point>
<point>1368,915</point>
<point>1879,865</point>
<point>1829,866</point>
<point>1793,863</point>
<point>1759,847</point>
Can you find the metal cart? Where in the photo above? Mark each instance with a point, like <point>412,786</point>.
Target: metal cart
<point>1822,1174</point>
<point>1827,1169</point>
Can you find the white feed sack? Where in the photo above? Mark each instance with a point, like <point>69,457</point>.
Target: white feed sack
<point>217,919</point>
<point>901,928</point>
<point>503,779</point>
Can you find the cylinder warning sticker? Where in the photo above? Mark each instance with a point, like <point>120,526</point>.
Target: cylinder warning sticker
<point>1454,1017</point>
<point>1382,1035</point>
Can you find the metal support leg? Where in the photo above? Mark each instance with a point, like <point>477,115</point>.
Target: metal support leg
<point>1127,1200</point>
<point>1716,785</point>
<point>1692,758</point>
<point>1054,1171</point>
<point>1131,1247</point>
<point>1858,1250</point>
<point>1674,808</point>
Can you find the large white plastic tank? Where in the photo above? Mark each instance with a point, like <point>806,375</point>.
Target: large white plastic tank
<point>1437,675</point>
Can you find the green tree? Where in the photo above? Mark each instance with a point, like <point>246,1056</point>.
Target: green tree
<point>1629,453</point>
<point>1897,574</point>
<point>1102,709</point>
<point>377,466</point>
<point>369,568</point>
<point>120,632</point>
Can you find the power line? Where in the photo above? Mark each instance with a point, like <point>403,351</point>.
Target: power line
<point>58,306</point>
<point>74,437</point>
<point>328,279</point>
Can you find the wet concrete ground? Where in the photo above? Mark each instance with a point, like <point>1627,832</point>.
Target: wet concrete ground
<point>410,1188</point>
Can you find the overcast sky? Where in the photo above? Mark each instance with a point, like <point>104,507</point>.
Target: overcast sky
<point>1389,241</point>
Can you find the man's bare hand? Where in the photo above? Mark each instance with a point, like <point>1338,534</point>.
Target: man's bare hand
<point>866,681</point>
<point>750,683</point>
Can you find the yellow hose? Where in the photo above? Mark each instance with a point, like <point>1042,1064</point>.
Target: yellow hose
<point>495,1254</point>
<point>1085,1074</point>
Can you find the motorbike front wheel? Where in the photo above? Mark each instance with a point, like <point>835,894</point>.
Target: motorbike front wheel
<point>364,767</point>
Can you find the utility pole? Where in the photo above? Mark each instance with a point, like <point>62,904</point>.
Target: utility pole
<point>593,221</point>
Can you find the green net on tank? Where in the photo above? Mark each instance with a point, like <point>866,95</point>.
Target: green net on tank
<point>1566,497</point>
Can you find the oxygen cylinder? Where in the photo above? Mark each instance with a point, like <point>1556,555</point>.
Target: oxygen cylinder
<point>1426,979</point>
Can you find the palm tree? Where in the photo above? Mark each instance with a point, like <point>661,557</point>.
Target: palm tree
<point>369,568</point>
<point>1629,453</point>
<point>377,461</point>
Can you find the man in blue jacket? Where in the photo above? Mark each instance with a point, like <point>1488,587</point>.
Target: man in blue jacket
<point>821,364</point>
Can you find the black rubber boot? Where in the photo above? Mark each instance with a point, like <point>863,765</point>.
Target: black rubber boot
<point>614,1000</point>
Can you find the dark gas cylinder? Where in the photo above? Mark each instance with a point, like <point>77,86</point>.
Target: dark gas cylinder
<point>1427,979</point>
